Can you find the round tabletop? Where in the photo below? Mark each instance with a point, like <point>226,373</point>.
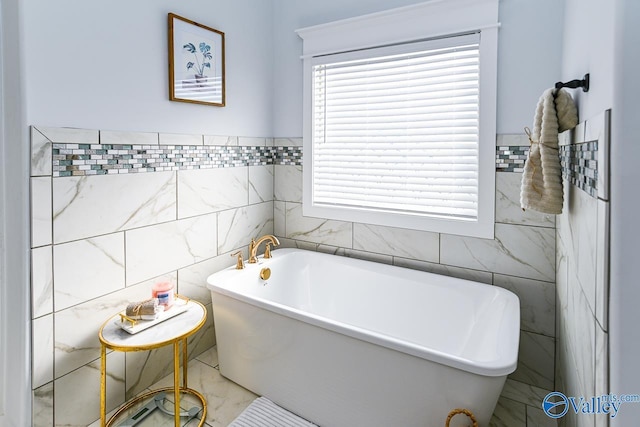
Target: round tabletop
<point>166,332</point>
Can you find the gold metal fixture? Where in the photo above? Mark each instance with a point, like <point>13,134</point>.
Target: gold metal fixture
<point>255,244</point>
<point>120,344</point>
<point>267,251</point>
<point>240,263</point>
<point>265,273</point>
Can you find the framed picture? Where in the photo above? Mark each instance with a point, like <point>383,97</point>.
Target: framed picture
<point>196,63</point>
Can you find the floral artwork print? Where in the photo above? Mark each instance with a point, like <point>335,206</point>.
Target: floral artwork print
<point>196,62</point>
<point>205,51</point>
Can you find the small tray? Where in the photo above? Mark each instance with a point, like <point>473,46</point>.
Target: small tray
<point>133,327</point>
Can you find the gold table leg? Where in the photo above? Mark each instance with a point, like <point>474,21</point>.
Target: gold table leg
<point>184,363</point>
<point>176,381</point>
<point>103,385</point>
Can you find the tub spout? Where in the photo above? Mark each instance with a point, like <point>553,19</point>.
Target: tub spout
<point>253,246</point>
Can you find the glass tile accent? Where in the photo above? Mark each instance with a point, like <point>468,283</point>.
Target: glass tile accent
<point>511,158</point>
<point>580,166</point>
<point>85,159</point>
<point>579,163</point>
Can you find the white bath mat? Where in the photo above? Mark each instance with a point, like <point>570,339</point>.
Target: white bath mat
<point>264,413</point>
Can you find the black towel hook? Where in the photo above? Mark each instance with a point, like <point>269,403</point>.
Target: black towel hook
<point>584,84</point>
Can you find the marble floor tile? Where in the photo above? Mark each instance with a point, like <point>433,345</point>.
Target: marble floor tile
<point>524,393</point>
<point>209,357</point>
<point>156,419</point>
<point>509,413</point>
<point>537,418</point>
<point>225,399</point>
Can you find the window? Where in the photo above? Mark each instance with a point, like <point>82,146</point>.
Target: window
<point>397,129</point>
<point>403,133</point>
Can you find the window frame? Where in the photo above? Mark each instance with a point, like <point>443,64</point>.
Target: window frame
<point>424,21</point>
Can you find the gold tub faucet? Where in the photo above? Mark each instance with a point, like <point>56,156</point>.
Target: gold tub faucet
<point>253,247</point>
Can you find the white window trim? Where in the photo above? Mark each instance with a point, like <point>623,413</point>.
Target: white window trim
<point>432,19</point>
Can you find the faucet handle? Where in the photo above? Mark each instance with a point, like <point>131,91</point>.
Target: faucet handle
<point>267,251</point>
<point>252,251</point>
<point>240,263</point>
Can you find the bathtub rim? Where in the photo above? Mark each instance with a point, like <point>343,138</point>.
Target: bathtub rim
<point>492,368</point>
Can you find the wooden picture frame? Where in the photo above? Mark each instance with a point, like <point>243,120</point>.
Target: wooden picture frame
<point>196,62</point>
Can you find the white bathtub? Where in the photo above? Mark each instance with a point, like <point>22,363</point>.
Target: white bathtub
<point>345,342</point>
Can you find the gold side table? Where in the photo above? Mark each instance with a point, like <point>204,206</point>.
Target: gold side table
<point>174,330</point>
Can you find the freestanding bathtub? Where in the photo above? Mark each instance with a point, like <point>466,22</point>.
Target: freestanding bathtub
<point>345,342</point>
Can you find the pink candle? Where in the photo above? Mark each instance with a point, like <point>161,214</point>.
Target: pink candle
<point>164,292</point>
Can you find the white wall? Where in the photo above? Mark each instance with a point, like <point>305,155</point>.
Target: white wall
<point>625,204</point>
<point>529,58</point>
<point>601,37</point>
<point>588,48</point>
<point>14,207</point>
<point>103,65</point>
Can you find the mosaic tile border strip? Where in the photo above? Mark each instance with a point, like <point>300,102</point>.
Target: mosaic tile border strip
<point>511,158</point>
<point>580,165</point>
<point>103,159</point>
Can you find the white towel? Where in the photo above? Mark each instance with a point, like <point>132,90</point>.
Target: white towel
<point>541,188</point>
<point>264,413</point>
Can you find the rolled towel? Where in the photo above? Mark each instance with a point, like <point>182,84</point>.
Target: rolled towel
<point>541,188</point>
<point>145,310</point>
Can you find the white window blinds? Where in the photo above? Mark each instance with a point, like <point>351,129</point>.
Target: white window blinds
<point>395,129</point>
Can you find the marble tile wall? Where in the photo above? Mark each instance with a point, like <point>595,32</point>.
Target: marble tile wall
<point>520,258</point>
<point>582,273</point>
<point>181,225</point>
<point>101,241</point>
